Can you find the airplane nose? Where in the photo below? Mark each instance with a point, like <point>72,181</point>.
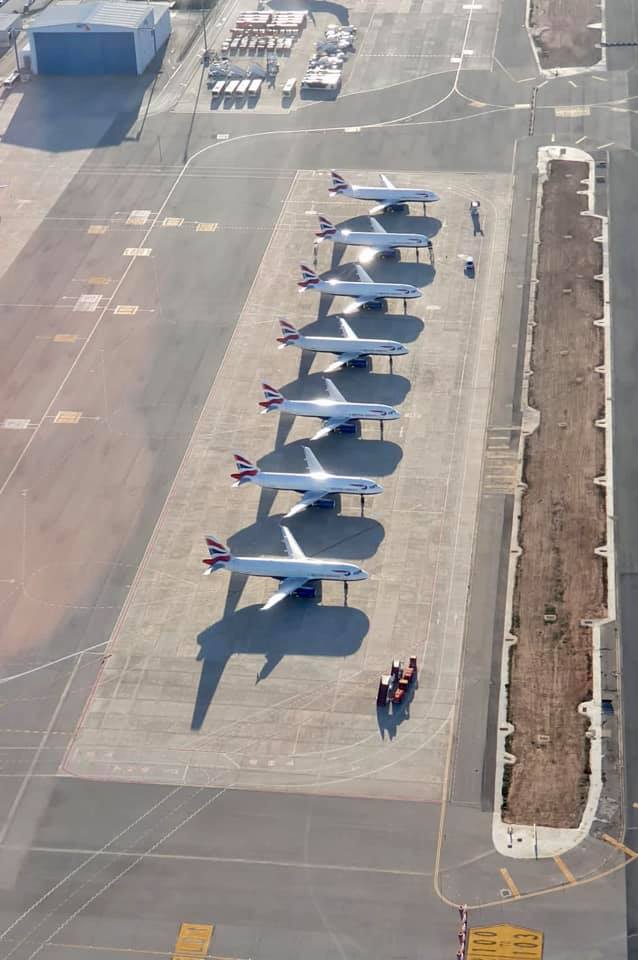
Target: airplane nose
<point>394,414</point>
<point>377,488</point>
<point>402,351</point>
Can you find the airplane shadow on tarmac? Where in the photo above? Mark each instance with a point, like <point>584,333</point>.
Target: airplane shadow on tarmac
<point>300,628</point>
<point>373,388</point>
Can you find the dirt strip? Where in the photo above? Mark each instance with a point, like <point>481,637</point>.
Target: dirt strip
<point>561,34</point>
<point>560,581</point>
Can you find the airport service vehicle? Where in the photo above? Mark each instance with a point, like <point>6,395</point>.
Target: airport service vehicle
<point>218,88</point>
<point>242,89</point>
<point>317,486</point>
<point>288,88</point>
<point>255,87</point>
<point>335,411</point>
<point>379,241</point>
<point>349,348</point>
<point>388,195</point>
<point>364,290</point>
<point>294,572</point>
<point>231,88</point>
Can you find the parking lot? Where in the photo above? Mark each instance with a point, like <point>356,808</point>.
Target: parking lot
<point>394,43</point>
<point>202,687</point>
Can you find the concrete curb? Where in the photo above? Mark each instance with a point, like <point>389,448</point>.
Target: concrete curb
<point>527,841</point>
<point>601,63</point>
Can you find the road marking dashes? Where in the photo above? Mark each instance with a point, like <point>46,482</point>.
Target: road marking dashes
<point>138,218</point>
<point>137,251</point>
<point>87,303</point>
<point>206,227</point>
<point>65,338</point>
<point>126,310</point>
<point>96,229</point>
<point>173,221</point>
<point>68,416</point>
<point>14,424</point>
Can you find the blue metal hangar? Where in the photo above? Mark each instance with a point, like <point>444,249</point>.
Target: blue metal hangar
<point>97,37</point>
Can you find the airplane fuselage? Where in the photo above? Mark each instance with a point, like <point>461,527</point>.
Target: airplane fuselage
<point>281,568</point>
<point>389,195</point>
<point>358,347</point>
<point>376,291</point>
<point>316,483</point>
<point>326,409</point>
<point>378,241</point>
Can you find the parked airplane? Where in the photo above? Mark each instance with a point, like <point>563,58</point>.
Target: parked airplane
<point>388,195</point>
<point>364,290</point>
<point>294,571</point>
<point>378,242</point>
<point>348,348</point>
<point>334,409</point>
<point>315,485</point>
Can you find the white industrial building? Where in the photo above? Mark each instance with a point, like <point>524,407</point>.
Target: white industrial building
<point>97,37</point>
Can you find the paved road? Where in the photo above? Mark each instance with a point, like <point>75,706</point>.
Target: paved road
<point>116,867</point>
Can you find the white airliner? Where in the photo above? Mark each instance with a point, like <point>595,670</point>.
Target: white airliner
<point>334,409</point>
<point>388,195</point>
<point>294,571</point>
<point>364,290</point>
<point>314,485</point>
<point>377,242</point>
<point>348,348</point>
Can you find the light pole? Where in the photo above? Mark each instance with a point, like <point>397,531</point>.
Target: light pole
<point>204,26</point>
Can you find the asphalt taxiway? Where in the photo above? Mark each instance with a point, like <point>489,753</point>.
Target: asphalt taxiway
<point>114,868</point>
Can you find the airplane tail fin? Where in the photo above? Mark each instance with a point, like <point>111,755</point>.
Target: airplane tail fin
<point>338,183</point>
<point>308,278</point>
<point>326,229</point>
<point>246,471</point>
<point>289,333</point>
<point>218,555</point>
<point>273,398</point>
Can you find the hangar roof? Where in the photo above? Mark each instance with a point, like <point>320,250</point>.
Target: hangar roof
<point>124,14</point>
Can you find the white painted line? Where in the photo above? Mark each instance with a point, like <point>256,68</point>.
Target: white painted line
<point>581,111</point>
<point>223,136</point>
<point>352,129</point>
<point>137,252</point>
<point>595,76</point>
<point>455,59</point>
<point>138,218</point>
<point>580,139</point>
<point>468,53</point>
<point>87,303</point>
<point>13,424</point>
<point>433,306</point>
<point>472,6</point>
<point>604,145</point>
<point>521,106</point>
<point>571,83</point>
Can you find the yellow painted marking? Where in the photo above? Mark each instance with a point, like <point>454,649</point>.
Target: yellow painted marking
<point>619,846</point>
<point>126,309</point>
<point>65,338</point>
<point>68,416</point>
<point>193,940</point>
<point>98,281</point>
<point>97,228</point>
<point>564,869</point>
<point>504,942</point>
<point>513,889</point>
<point>206,227</point>
<point>173,221</point>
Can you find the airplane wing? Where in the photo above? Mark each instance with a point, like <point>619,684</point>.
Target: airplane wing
<point>329,426</point>
<point>293,549</point>
<point>286,587</point>
<point>311,461</point>
<point>347,330</point>
<point>362,275</point>
<point>376,226</point>
<point>342,358</point>
<point>306,501</point>
<point>333,392</point>
<point>386,182</point>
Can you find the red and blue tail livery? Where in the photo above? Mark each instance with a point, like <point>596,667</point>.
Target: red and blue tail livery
<point>338,183</point>
<point>326,229</point>
<point>273,397</point>
<point>308,278</point>
<point>245,470</point>
<point>289,333</point>
<point>218,554</point>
